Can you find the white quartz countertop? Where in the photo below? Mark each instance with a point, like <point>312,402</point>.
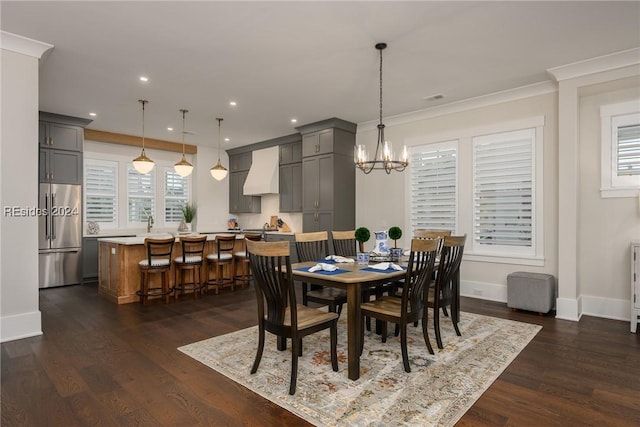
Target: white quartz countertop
<point>139,240</point>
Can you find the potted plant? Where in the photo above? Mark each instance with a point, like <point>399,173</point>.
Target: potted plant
<point>395,233</point>
<point>188,212</point>
<point>362,235</point>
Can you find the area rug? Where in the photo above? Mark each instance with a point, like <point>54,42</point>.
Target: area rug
<point>439,389</point>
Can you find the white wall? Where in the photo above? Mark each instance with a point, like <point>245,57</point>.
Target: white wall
<point>212,196</point>
<point>382,200</point>
<point>20,316</point>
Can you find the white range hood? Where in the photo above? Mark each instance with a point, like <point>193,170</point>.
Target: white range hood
<point>263,176</point>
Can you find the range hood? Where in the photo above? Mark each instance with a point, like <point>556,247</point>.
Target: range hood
<point>263,175</point>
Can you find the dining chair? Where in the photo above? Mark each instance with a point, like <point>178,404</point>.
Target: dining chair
<point>242,261</point>
<point>278,311</point>
<point>217,261</point>
<point>344,243</point>
<point>412,306</point>
<point>446,291</point>
<point>315,247</point>
<point>434,234</point>
<point>190,260</point>
<point>158,261</point>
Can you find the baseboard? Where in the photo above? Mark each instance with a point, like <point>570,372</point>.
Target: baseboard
<point>608,308</point>
<point>20,326</point>
<point>483,290</point>
<point>568,309</point>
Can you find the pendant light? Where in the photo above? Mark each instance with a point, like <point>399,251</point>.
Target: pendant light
<point>219,172</point>
<point>183,167</point>
<point>142,163</point>
<point>383,158</point>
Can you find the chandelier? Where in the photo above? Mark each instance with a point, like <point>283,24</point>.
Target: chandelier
<point>183,167</point>
<point>142,163</point>
<point>384,156</point>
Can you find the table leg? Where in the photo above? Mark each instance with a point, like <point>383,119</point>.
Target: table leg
<point>354,293</point>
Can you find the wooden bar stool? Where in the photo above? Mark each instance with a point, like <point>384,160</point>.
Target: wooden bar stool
<point>242,262</point>
<point>190,260</point>
<point>158,261</point>
<point>217,261</point>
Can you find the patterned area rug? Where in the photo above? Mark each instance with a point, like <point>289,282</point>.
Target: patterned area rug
<point>437,392</point>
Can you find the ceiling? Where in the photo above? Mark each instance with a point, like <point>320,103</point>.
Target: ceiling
<point>304,60</point>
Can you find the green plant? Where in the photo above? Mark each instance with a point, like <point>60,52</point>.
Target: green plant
<point>189,212</point>
<point>362,235</point>
<point>395,233</point>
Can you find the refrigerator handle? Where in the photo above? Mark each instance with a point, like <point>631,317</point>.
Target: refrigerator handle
<point>53,229</point>
<point>46,219</point>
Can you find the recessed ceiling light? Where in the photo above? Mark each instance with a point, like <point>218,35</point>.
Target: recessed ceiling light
<point>92,114</point>
<point>227,140</point>
<point>169,129</point>
<point>144,78</point>
<point>233,103</point>
<point>294,120</point>
<point>435,97</point>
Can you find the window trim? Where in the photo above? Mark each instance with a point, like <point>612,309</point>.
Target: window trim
<point>611,185</point>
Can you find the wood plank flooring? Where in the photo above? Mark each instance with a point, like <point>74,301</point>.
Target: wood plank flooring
<point>107,365</point>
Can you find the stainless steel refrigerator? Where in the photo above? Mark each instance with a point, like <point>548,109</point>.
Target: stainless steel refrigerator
<point>60,235</point>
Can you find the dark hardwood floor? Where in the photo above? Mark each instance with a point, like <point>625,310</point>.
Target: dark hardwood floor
<point>102,364</point>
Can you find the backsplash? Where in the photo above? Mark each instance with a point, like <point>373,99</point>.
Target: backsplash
<point>270,206</point>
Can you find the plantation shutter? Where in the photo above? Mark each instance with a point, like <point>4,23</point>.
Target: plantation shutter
<point>628,142</point>
<point>433,187</point>
<point>101,191</point>
<point>176,195</point>
<point>140,195</point>
<point>503,191</point>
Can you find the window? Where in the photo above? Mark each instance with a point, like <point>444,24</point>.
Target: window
<point>101,192</point>
<point>140,195</point>
<point>434,186</point>
<point>176,195</point>
<point>503,192</point>
<point>620,142</point>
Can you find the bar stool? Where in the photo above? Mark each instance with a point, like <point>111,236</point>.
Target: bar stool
<point>190,260</point>
<point>242,261</point>
<point>217,261</point>
<point>158,261</point>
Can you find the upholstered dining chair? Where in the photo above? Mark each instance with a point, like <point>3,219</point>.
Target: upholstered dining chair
<point>315,247</point>
<point>191,260</point>
<point>446,291</point>
<point>278,311</point>
<point>217,261</point>
<point>158,261</point>
<point>412,306</point>
<point>242,261</point>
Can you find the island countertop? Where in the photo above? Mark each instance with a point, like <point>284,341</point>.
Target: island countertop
<point>139,239</point>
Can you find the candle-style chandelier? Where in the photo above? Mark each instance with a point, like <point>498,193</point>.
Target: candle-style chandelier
<point>384,156</point>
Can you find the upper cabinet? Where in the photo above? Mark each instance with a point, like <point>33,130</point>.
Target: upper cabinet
<point>238,202</point>
<point>291,177</point>
<point>240,162</point>
<point>61,141</point>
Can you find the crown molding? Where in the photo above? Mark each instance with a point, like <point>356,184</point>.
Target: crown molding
<point>528,91</point>
<point>23,45</point>
<point>599,64</point>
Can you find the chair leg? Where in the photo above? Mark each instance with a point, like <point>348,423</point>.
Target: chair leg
<point>165,286</point>
<point>403,346</point>
<point>436,325</point>
<point>362,333</point>
<point>334,345</point>
<point>384,331</point>
<point>425,334</point>
<point>294,367</point>
<point>305,288</point>
<point>256,362</point>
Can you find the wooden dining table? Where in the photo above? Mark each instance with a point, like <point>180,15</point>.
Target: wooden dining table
<point>352,280</point>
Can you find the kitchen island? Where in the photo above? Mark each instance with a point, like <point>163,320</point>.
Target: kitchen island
<point>118,271</point>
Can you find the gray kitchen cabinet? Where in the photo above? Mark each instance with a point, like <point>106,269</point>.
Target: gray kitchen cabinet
<point>60,166</point>
<point>60,136</point>
<point>89,259</point>
<point>291,177</point>
<point>274,237</point>
<point>240,162</point>
<point>238,202</point>
<point>328,176</point>
<point>291,187</point>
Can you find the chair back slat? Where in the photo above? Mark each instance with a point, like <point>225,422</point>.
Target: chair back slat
<point>158,249</point>
<point>192,246</point>
<point>312,246</point>
<point>271,268</point>
<point>225,244</point>
<point>419,271</point>
<point>450,260</point>
<point>344,243</point>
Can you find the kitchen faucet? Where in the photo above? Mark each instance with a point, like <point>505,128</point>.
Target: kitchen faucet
<point>149,223</point>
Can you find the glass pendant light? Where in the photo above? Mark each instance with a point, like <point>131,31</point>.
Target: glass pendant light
<point>219,172</point>
<point>183,167</point>
<point>142,163</point>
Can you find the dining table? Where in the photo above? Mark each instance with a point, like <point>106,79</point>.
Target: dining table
<point>352,277</point>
